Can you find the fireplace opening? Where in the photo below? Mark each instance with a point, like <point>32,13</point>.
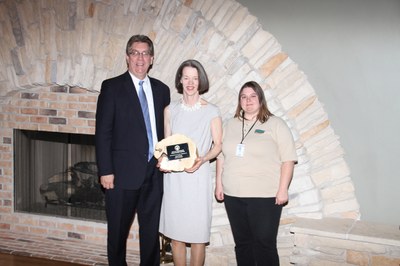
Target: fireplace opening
<point>55,174</point>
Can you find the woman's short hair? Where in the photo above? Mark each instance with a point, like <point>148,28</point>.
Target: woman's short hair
<point>264,112</point>
<point>203,79</point>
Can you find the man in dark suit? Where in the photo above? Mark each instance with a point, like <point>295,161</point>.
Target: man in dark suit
<point>126,134</point>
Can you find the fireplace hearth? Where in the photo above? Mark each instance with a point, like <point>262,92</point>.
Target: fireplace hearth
<point>56,174</point>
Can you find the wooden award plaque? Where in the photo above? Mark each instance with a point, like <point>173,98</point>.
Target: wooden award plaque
<point>180,153</point>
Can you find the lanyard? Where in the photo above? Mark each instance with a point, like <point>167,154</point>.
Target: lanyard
<point>243,135</point>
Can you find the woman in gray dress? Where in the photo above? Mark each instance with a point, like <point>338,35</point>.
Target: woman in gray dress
<point>187,201</point>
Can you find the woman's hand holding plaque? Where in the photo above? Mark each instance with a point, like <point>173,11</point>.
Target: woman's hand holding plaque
<point>177,153</point>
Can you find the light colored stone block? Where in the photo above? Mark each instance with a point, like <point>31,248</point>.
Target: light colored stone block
<point>309,197</point>
<point>335,192</point>
<point>357,258</point>
<point>300,211</point>
<point>180,18</point>
<point>223,14</point>
<point>235,21</point>
<point>260,41</point>
<point>341,206</point>
<point>243,28</point>
<point>210,8</point>
<point>384,261</point>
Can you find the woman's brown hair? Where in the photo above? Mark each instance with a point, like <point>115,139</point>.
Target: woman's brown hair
<point>264,112</point>
<point>203,79</point>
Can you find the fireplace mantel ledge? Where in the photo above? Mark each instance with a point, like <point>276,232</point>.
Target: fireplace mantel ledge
<point>349,229</point>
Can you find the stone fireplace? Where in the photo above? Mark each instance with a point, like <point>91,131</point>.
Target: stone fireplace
<point>58,53</point>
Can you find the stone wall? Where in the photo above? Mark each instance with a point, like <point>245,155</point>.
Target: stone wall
<point>55,55</point>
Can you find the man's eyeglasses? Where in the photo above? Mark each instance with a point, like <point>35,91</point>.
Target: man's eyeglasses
<point>135,53</point>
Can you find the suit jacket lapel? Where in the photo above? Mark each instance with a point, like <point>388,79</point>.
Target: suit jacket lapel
<point>129,86</point>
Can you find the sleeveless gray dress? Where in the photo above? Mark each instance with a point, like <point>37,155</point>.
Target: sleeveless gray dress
<point>187,202</point>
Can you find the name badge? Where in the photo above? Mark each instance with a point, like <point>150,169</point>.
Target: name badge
<point>240,150</point>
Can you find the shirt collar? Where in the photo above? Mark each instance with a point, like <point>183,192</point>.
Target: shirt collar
<point>136,80</point>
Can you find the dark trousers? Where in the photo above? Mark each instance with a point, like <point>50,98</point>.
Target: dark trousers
<point>254,223</point>
<point>121,206</point>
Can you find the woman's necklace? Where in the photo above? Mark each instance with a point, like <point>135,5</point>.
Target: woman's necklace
<point>192,108</point>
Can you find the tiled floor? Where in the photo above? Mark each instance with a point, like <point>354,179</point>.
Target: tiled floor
<point>57,249</point>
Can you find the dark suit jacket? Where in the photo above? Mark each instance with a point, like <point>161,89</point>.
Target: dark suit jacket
<point>121,140</point>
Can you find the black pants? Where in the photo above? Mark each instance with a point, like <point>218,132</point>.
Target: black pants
<point>255,224</point>
<point>121,206</point>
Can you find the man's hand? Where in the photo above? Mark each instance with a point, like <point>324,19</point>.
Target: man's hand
<point>107,181</point>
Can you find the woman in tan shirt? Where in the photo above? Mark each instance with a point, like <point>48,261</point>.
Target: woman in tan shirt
<point>253,175</point>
